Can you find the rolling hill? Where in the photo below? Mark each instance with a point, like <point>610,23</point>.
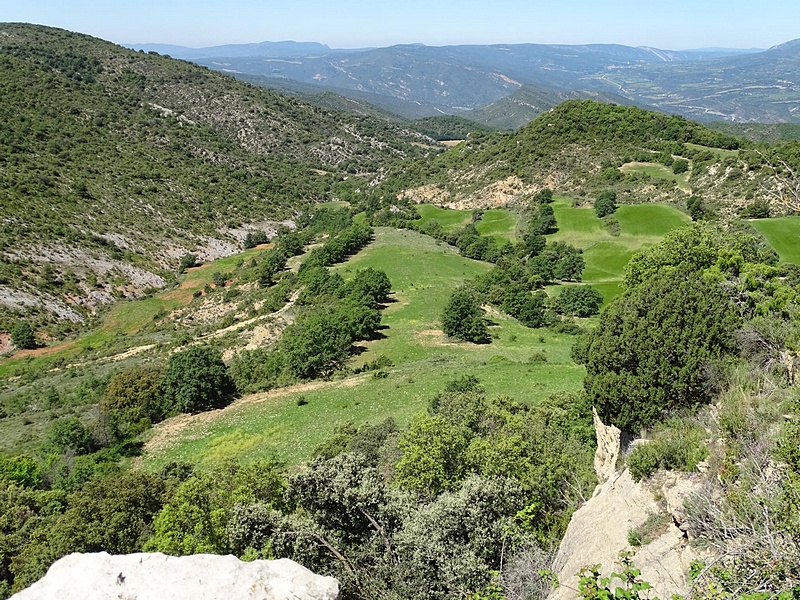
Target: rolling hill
<point>115,163</point>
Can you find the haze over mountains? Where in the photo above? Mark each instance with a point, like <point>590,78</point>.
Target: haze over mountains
<point>740,85</point>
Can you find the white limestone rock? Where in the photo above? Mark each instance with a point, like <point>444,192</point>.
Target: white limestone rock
<point>160,577</point>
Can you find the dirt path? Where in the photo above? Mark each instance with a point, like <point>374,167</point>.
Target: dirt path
<point>167,432</point>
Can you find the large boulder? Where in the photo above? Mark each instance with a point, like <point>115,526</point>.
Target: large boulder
<point>161,577</point>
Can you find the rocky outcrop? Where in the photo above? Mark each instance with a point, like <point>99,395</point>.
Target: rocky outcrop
<point>608,447</point>
<point>158,577</point>
<point>599,530</point>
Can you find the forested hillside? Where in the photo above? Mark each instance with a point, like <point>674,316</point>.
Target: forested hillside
<point>116,163</point>
<point>584,147</point>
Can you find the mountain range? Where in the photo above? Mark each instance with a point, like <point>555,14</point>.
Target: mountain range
<point>414,80</point>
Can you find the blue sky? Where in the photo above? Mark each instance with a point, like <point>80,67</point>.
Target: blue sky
<point>670,24</point>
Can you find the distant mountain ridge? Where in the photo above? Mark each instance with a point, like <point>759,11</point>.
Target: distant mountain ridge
<point>414,80</point>
<point>269,49</point>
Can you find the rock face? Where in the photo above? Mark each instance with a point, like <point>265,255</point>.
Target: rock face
<point>160,577</point>
<point>608,446</point>
<point>598,531</point>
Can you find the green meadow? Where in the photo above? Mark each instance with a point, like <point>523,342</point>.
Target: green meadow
<point>783,234</point>
<point>523,363</point>
<point>605,254</point>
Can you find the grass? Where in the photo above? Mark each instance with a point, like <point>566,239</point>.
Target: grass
<point>658,171</point>
<point>423,274</point>
<point>606,255</point>
<point>127,318</point>
<point>720,153</point>
<point>498,223</point>
<point>449,219</point>
<point>783,234</point>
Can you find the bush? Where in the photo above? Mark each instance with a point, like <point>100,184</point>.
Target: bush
<point>759,209</point>
<point>187,262</point>
<point>196,380</point>
<point>677,446</point>
<point>579,301</point>
<point>131,397</point>
<point>255,238</point>
<point>22,336</point>
<point>606,203</point>
<point>462,317</point>
<point>680,165</point>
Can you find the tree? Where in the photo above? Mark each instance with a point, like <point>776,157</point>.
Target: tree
<point>22,336</point>
<point>133,397</point>
<point>579,301</point>
<point>605,204</point>
<point>650,352</point>
<point>680,165</point>
<point>196,379</point>
<point>462,317</point>
<point>255,238</point>
<point>433,455</point>
<point>524,306</point>
<point>187,262</point>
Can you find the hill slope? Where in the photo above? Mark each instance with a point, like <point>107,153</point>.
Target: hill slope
<point>114,163</point>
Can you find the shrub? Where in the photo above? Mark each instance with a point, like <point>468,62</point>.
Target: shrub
<point>606,203</point>
<point>462,317</point>
<point>187,262</point>
<point>579,301</point>
<point>22,336</point>
<point>255,238</point>
<point>196,380</point>
<point>678,446</point>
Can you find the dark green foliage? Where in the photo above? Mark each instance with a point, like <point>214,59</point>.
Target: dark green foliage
<point>528,308</point>
<point>255,238</point>
<point>22,336</point>
<point>677,445</point>
<point>132,400</point>
<point>462,317</point>
<point>370,287</point>
<point>558,261</point>
<point>760,209</point>
<point>195,380</point>
<point>696,208</point>
<point>650,352</point>
<point>187,262</point>
<point>448,127</point>
<point>680,165</point>
<point>579,301</point>
<point>69,435</point>
<point>605,204</point>
<point>543,196</point>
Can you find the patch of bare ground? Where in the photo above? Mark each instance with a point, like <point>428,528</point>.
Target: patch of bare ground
<point>436,337</point>
<point>167,432</point>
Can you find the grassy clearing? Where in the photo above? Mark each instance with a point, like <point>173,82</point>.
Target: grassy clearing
<point>606,255</point>
<point>449,219</point>
<point>658,171</point>
<point>423,274</point>
<point>718,152</point>
<point>783,234</point>
<point>500,224</point>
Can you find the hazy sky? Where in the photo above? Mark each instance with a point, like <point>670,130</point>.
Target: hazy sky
<point>670,24</point>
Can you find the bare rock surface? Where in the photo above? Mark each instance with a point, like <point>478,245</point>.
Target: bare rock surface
<point>157,576</point>
<point>608,447</point>
<point>598,531</point>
